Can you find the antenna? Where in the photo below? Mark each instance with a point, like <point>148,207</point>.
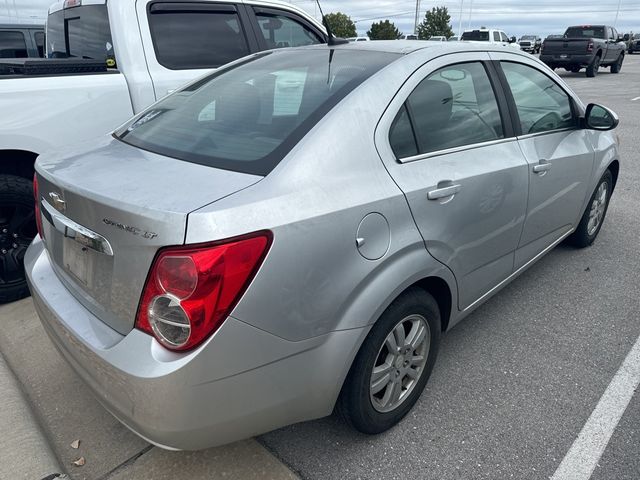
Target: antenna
<point>331,40</point>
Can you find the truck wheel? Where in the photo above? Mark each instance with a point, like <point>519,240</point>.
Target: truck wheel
<point>615,68</point>
<point>17,229</point>
<point>592,69</point>
<point>575,69</point>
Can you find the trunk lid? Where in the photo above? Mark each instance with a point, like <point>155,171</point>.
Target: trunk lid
<point>106,211</point>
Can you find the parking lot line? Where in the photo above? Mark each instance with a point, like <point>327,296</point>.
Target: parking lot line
<point>584,454</point>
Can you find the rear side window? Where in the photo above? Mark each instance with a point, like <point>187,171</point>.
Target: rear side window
<point>247,117</point>
<point>12,45</point>
<point>496,36</point>
<point>453,107</point>
<point>280,31</point>
<point>81,32</point>
<point>39,38</point>
<point>542,105</point>
<point>196,35</point>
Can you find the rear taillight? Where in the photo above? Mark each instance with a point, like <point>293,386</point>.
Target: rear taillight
<point>590,47</point>
<point>36,197</point>
<point>191,290</point>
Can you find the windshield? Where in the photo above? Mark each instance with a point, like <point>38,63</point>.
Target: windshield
<point>247,117</point>
<point>476,36</point>
<point>81,32</point>
<point>528,37</point>
<point>585,32</point>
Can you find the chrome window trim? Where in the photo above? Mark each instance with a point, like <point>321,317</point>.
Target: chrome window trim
<point>547,132</point>
<point>462,148</point>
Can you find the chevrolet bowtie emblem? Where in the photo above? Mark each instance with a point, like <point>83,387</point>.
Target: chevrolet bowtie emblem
<point>57,201</point>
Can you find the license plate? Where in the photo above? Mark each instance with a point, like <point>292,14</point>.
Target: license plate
<point>77,261</point>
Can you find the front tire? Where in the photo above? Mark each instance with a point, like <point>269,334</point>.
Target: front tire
<point>17,229</point>
<point>616,67</point>
<point>593,216</point>
<point>393,365</point>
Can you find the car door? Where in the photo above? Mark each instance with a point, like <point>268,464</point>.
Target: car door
<point>447,141</point>
<point>184,40</point>
<point>560,155</point>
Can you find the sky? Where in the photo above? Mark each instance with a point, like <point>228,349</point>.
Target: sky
<point>515,17</point>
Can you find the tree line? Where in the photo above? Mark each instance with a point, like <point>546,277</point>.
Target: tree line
<point>436,22</point>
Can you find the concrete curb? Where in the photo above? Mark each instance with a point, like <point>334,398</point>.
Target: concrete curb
<point>24,450</point>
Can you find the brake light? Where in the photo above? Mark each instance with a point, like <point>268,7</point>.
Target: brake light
<point>191,290</point>
<point>590,47</point>
<point>72,3</point>
<point>36,197</point>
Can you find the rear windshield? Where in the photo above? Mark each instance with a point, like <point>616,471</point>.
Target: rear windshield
<point>81,32</point>
<point>476,36</point>
<point>247,117</point>
<point>586,32</point>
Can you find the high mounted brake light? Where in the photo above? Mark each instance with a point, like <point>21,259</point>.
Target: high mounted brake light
<point>72,3</point>
<point>191,290</point>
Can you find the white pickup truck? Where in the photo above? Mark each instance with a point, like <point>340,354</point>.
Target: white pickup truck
<point>488,35</point>
<point>106,62</point>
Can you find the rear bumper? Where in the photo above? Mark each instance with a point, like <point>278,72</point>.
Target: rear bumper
<point>566,59</point>
<point>242,382</point>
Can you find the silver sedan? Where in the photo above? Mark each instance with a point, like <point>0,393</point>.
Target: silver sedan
<point>295,231</point>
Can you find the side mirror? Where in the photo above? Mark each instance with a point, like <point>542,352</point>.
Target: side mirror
<point>601,118</point>
<point>512,40</point>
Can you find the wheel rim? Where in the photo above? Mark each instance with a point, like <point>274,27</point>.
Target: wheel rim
<point>17,229</point>
<point>598,208</point>
<point>400,363</point>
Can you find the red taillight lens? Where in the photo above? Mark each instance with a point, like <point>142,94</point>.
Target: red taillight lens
<point>191,290</point>
<point>36,197</point>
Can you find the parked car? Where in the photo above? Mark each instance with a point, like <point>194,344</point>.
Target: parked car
<point>21,41</point>
<point>438,38</point>
<point>411,37</point>
<point>634,43</point>
<point>530,43</point>
<point>485,35</point>
<point>234,259</point>
<point>62,100</point>
<point>590,47</point>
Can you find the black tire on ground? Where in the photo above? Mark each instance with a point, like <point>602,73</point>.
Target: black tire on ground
<point>581,237</point>
<point>575,69</point>
<point>592,69</point>
<point>17,229</point>
<point>616,67</point>
<point>355,403</point>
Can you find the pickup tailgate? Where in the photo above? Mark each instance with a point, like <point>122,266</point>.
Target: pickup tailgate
<point>567,46</point>
<point>108,209</point>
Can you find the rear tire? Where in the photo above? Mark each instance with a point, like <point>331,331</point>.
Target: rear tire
<point>594,215</point>
<point>17,229</point>
<point>594,66</point>
<point>616,67</point>
<point>386,361</point>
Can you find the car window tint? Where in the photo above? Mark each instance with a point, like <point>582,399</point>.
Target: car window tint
<point>401,137</point>
<point>504,37</point>
<point>39,38</point>
<point>197,39</point>
<point>280,31</point>
<point>542,105</point>
<point>12,45</point>
<point>453,107</point>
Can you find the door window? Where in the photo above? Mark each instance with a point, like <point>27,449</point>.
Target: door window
<point>280,31</point>
<point>504,37</point>
<point>197,35</point>
<point>542,105</point>
<point>39,38</point>
<point>496,36</point>
<point>452,107</point>
<point>12,45</point>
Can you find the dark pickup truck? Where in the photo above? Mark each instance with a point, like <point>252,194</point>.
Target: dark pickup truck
<point>587,46</point>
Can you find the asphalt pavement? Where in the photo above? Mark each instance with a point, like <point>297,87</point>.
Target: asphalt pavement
<point>517,380</point>
<point>514,386</point>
